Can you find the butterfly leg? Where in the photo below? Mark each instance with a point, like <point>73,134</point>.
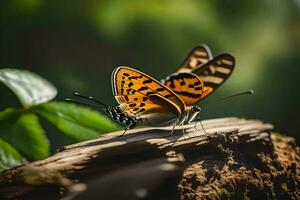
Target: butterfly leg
<point>183,130</point>
<point>196,126</point>
<point>173,128</point>
<point>130,125</point>
<point>123,132</point>
<point>202,127</point>
<point>177,122</point>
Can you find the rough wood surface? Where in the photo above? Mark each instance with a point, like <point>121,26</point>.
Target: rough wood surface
<point>233,158</point>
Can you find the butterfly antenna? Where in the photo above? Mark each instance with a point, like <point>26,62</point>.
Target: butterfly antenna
<point>230,96</point>
<point>83,103</point>
<point>89,98</point>
<point>238,94</point>
<point>222,99</point>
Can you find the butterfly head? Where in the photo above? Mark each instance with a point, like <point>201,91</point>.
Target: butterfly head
<point>192,113</point>
<point>196,109</point>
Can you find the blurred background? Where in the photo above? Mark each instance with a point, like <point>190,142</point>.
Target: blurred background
<point>77,44</point>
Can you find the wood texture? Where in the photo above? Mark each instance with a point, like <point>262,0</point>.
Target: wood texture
<point>141,163</point>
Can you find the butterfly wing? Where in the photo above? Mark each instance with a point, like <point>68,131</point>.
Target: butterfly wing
<point>142,96</point>
<point>210,75</point>
<point>198,56</point>
<point>215,72</point>
<point>187,86</point>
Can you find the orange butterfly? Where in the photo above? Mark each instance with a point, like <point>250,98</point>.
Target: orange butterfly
<point>144,100</point>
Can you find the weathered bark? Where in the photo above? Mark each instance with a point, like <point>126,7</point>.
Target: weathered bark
<point>233,158</point>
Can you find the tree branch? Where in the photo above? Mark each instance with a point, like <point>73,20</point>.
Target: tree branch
<point>232,158</point>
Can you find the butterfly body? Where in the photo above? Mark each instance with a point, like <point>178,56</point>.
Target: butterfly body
<point>153,119</point>
<point>118,115</point>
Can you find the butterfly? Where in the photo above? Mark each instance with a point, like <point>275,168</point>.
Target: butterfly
<point>147,101</point>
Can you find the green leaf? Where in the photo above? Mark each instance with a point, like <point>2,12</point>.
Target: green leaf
<point>77,122</point>
<point>23,131</point>
<point>31,89</point>
<point>9,157</point>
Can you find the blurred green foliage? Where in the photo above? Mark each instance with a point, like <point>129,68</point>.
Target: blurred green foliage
<point>21,134</point>
<point>9,157</point>
<point>76,45</point>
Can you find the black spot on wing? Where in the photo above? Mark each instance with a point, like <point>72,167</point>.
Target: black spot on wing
<point>126,98</point>
<point>182,83</point>
<point>147,81</point>
<point>135,77</point>
<point>142,104</point>
<point>160,89</point>
<point>132,105</point>
<point>143,88</point>
<point>197,83</point>
<point>172,85</point>
<point>180,76</point>
<point>188,94</point>
<point>210,84</point>
<point>149,93</point>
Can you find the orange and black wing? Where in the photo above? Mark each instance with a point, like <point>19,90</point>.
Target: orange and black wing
<point>187,86</point>
<point>202,80</point>
<point>215,72</point>
<point>141,95</point>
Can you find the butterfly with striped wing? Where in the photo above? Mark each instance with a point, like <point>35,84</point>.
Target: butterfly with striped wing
<point>146,101</point>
